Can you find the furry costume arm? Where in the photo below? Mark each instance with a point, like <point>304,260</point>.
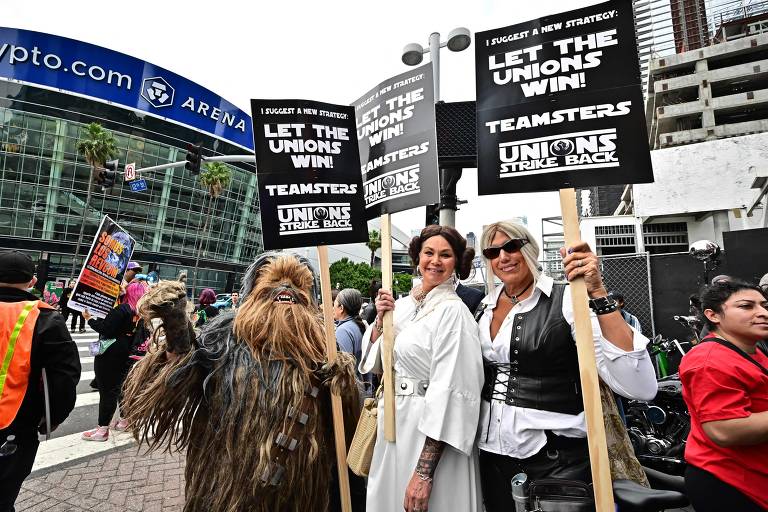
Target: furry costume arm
<point>164,389</point>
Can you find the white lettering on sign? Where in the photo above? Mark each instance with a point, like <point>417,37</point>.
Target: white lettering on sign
<point>299,219</point>
<point>392,185</point>
<point>565,152</point>
<point>215,114</point>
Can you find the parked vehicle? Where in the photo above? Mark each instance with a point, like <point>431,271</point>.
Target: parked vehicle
<point>658,429</point>
<point>223,301</point>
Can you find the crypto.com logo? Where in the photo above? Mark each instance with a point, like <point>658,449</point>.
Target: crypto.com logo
<point>157,92</point>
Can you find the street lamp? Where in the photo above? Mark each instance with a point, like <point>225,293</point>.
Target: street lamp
<point>458,39</point>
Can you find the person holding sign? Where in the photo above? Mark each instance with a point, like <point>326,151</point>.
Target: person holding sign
<point>438,375</point>
<point>532,415</point>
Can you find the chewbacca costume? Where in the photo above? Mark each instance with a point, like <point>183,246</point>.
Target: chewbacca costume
<point>248,397</point>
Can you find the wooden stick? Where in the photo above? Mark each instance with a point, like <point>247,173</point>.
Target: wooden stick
<point>389,333</point>
<point>338,413</point>
<point>590,387</point>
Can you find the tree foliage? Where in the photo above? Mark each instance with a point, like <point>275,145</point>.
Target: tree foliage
<point>215,177</point>
<point>348,274</point>
<point>374,244</point>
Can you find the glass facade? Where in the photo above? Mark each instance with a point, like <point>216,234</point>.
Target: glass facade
<point>43,190</point>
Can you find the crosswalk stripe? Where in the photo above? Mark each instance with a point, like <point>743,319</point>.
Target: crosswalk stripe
<point>73,446</point>
<point>86,399</point>
<point>90,375</point>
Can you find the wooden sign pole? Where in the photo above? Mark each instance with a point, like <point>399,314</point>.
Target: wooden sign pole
<point>338,413</point>
<point>389,332</point>
<point>590,387</point>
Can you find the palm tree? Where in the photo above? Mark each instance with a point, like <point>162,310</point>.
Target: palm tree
<point>374,243</point>
<point>96,145</point>
<point>214,179</point>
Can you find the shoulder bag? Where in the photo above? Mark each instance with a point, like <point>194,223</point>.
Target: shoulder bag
<point>361,449</point>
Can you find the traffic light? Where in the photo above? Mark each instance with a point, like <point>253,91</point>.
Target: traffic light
<point>194,158</point>
<point>109,174</point>
<point>433,214</point>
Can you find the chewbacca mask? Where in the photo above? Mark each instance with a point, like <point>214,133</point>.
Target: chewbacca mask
<point>249,400</point>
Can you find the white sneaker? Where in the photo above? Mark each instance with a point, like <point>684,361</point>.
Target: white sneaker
<point>96,434</point>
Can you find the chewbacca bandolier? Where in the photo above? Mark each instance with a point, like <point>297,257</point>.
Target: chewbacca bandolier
<point>248,398</point>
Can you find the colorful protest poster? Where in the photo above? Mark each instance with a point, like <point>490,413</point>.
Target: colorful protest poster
<point>98,286</point>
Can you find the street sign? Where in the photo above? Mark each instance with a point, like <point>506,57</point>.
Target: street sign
<point>138,185</point>
<point>130,172</point>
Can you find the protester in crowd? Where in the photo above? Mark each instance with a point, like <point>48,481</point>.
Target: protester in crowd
<point>349,326</point>
<point>532,416</point>
<point>247,399</point>
<point>631,319</point>
<point>66,311</point>
<point>725,386</point>
<point>111,367</point>
<point>438,377</point>
<point>234,301</point>
<point>369,314</point>
<point>42,342</point>
<point>205,310</point>
<point>131,271</point>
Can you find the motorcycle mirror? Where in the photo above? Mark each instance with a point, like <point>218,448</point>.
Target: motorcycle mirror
<point>704,250</point>
<point>656,339</point>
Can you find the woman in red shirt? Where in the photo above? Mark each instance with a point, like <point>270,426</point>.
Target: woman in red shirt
<point>725,385</point>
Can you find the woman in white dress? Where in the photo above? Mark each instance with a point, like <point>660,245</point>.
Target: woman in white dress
<point>438,373</point>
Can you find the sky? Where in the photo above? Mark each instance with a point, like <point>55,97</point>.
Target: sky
<point>332,51</point>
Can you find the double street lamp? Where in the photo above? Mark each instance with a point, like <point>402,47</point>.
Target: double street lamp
<point>458,39</point>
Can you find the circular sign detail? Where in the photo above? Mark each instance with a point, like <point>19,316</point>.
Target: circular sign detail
<point>388,181</point>
<point>561,147</point>
<point>321,213</point>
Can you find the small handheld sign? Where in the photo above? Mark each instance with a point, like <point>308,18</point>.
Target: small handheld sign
<point>559,105</point>
<point>309,193</point>
<point>98,285</point>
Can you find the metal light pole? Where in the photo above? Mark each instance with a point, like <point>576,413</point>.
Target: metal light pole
<point>458,39</point>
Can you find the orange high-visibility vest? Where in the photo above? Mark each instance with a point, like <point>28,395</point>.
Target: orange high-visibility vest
<point>17,325</point>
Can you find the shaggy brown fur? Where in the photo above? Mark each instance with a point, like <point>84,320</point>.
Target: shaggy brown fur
<point>227,400</point>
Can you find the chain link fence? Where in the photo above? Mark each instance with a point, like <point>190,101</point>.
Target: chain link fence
<point>629,274</point>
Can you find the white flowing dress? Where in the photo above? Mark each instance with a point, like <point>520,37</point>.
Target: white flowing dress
<point>437,342</point>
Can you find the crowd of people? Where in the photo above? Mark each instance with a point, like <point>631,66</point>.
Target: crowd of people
<point>486,387</point>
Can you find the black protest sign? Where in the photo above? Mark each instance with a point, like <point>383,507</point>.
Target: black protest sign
<point>559,103</point>
<point>398,143</point>
<point>308,172</point>
<point>98,286</point>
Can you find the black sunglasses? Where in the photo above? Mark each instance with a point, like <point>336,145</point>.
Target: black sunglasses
<point>510,246</point>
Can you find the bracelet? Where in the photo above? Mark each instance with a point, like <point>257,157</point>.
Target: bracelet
<point>379,325</point>
<point>603,305</point>
<point>422,476</point>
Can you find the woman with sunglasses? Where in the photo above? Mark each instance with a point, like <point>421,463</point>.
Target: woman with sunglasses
<point>532,415</point>
<point>438,374</point>
<point>725,386</point>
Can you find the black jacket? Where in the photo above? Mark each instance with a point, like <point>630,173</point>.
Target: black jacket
<point>54,350</point>
<point>118,324</point>
<point>470,296</point>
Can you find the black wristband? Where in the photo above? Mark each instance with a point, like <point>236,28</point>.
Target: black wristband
<point>603,305</point>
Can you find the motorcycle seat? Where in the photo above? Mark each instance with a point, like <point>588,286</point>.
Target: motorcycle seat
<point>659,480</point>
<point>633,497</point>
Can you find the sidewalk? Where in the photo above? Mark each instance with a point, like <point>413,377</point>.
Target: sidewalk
<point>118,480</point>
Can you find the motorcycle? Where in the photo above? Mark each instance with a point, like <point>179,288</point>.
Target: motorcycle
<point>658,429</point>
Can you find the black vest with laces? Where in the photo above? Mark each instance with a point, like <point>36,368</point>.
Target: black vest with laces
<point>543,365</point>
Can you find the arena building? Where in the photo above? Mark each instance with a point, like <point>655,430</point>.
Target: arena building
<point>51,87</point>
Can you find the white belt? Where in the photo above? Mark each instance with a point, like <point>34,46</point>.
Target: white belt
<point>406,386</point>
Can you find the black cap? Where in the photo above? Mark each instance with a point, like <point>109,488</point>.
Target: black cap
<point>16,267</point>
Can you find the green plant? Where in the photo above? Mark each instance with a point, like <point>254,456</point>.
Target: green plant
<point>374,244</point>
<point>96,145</point>
<point>401,283</point>
<point>215,177</point>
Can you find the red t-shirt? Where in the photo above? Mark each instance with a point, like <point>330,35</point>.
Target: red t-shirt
<point>719,384</point>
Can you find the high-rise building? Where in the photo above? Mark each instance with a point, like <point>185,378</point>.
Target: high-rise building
<point>655,35</point>
<point>689,24</point>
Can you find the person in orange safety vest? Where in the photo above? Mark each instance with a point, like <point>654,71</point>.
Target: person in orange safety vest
<point>33,337</point>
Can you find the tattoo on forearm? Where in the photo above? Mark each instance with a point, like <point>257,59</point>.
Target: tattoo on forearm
<point>430,456</point>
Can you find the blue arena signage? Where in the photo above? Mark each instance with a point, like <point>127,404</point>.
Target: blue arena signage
<point>88,70</point>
